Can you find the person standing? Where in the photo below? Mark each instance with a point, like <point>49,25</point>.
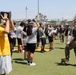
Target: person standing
<point>71,44</point>
<point>13,38</point>
<point>62,31</point>
<point>24,36</point>
<point>5,54</point>
<point>42,37</point>
<point>19,37</point>
<point>31,41</point>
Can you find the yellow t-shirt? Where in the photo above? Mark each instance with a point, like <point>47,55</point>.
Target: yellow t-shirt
<point>4,43</point>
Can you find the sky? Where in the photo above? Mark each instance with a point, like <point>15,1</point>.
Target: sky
<point>53,9</point>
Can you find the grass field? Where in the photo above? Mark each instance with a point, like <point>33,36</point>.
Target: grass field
<point>48,63</point>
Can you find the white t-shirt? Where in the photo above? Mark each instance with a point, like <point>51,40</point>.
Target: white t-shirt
<point>53,31</point>
<point>18,32</point>
<point>33,37</point>
<point>13,33</point>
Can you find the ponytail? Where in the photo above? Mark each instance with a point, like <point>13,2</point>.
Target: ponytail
<point>29,29</point>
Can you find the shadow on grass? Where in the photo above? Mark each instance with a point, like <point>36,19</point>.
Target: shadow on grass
<point>18,59</point>
<point>41,52</point>
<point>59,48</point>
<point>19,62</point>
<point>74,65</point>
<point>66,64</point>
<point>57,43</point>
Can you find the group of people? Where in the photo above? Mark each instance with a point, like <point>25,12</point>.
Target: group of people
<point>29,35</point>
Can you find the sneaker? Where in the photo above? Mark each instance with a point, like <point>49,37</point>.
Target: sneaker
<point>28,63</point>
<point>22,52</point>
<point>19,51</point>
<point>66,59</point>
<point>42,51</point>
<point>13,50</point>
<point>32,64</point>
<point>51,48</point>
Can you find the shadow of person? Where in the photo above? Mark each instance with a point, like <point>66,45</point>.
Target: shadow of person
<point>19,62</point>
<point>18,59</point>
<point>66,64</point>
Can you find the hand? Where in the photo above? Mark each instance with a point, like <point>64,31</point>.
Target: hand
<point>34,20</point>
<point>5,16</point>
<point>11,37</point>
<point>67,43</point>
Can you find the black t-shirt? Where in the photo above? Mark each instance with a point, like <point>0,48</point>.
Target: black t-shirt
<point>74,33</point>
<point>62,30</point>
<point>71,30</point>
<point>66,32</point>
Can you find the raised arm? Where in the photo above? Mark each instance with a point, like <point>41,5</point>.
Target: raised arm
<point>38,25</point>
<point>11,25</point>
<point>6,29</point>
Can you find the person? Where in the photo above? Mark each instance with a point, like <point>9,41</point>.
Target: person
<point>42,37</point>
<point>19,37</point>
<point>38,38</point>
<point>31,41</point>
<point>51,35</point>
<point>71,44</point>
<point>62,31</point>
<point>24,37</point>
<point>5,54</point>
<point>12,36</point>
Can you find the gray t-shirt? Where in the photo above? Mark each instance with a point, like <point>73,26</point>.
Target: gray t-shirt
<point>18,32</point>
<point>42,33</point>
<point>71,30</point>
<point>13,33</point>
<point>33,37</point>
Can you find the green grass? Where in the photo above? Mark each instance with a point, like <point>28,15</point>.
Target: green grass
<point>47,63</point>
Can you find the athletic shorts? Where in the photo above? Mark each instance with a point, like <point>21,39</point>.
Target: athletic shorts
<point>31,47</point>
<point>50,39</point>
<point>13,41</point>
<point>43,41</point>
<point>19,41</point>
<point>25,48</point>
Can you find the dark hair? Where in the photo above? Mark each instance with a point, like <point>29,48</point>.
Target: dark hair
<point>25,27</point>
<point>29,20</point>
<point>40,24</point>
<point>14,23</point>
<point>22,24</point>
<point>29,29</point>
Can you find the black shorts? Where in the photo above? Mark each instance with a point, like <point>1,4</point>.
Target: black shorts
<point>19,41</point>
<point>25,48</point>
<point>50,39</point>
<point>38,38</point>
<point>43,41</point>
<point>31,47</point>
<point>13,41</point>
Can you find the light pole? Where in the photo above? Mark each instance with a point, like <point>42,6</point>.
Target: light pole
<point>38,9</point>
<point>26,12</point>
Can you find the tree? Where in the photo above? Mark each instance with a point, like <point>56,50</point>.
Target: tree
<point>74,17</point>
<point>41,18</point>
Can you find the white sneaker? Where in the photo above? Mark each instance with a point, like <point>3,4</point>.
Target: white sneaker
<point>13,50</point>
<point>32,64</point>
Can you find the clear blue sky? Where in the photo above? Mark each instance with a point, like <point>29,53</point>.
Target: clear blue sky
<point>53,9</point>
